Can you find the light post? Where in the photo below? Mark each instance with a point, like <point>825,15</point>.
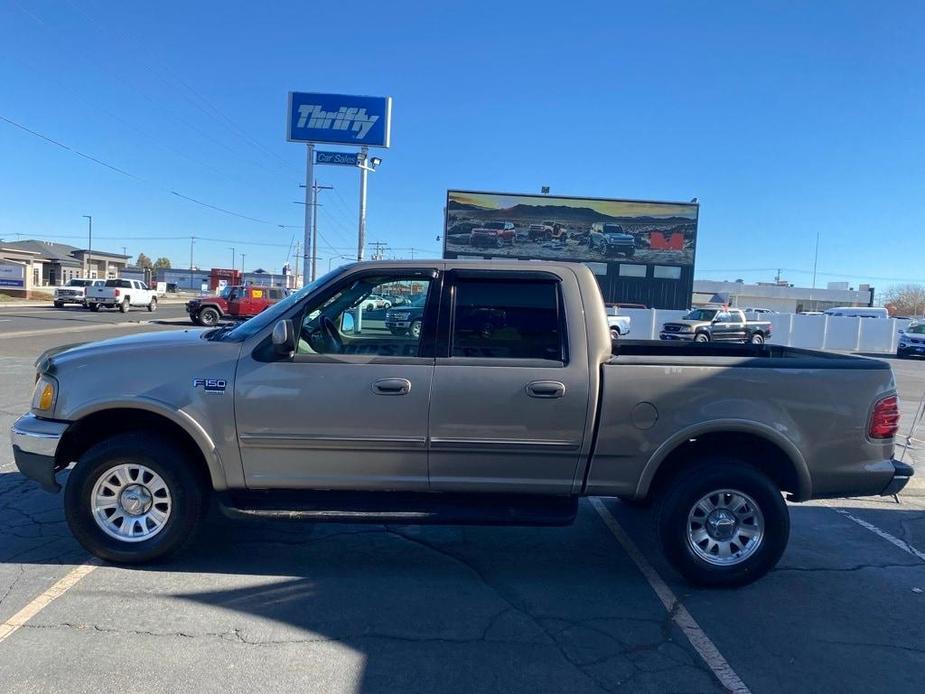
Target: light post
<point>232,261</point>
<point>364,168</point>
<point>89,219</point>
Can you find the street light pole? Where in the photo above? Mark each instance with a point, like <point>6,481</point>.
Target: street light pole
<point>89,219</point>
<point>232,262</point>
<point>192,240</point>
<point>364,170</point>
<point>308,247</point>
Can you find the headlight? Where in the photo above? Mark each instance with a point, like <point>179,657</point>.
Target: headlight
<point>686,329</point>
<point>45,394</point>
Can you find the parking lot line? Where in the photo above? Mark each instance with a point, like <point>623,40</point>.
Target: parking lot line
<point>892,539</point>
<point>16,622</point>
<point>679,614</point>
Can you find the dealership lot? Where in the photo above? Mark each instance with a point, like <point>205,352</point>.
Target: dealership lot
<point>395,608</point>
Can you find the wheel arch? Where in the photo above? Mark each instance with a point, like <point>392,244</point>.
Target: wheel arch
<point>97,421</point>
<point>768,450</point>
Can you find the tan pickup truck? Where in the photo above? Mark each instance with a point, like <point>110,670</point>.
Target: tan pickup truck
<point>509,404</point>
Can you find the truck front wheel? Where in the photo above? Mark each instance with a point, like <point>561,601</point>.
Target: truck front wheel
<point>723,523</point>
<point>133,498</point>
<point>208,317</point>
<point>701,337</point>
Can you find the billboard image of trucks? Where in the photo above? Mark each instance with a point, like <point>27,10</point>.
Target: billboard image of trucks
<point>502,225</point>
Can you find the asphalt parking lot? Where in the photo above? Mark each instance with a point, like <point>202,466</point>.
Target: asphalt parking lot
<point>372,608</point>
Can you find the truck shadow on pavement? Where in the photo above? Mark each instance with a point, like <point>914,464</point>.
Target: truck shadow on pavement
<point>420,609</point>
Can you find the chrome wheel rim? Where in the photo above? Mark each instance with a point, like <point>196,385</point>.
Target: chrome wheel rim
<point>725,527</point>
<point>131,502</point>
<point>416,329</point>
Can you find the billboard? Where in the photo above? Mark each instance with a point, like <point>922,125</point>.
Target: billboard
<point>590,230</point>
<point>12,275</point>
<point>339,119</point>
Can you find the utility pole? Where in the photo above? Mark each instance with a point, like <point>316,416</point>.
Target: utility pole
<point>295,281</point>
<point>378,250</point>
<point>242,266</point>
<point>89,219</point>
<point>192,240</point>
<point>123,250</point>
<point>315,189</point>
<point>361,237</point>
<point>816,259</point>
<point>232,262</point>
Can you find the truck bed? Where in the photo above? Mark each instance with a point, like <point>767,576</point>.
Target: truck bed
<point>732,354</point>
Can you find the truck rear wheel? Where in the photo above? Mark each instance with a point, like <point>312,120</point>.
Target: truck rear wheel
<point>133,498</point>
<point>152,306</point>
<point>723,523</point>
<point>94,307</point>
<point>123,307</point>
<point>757,339</point>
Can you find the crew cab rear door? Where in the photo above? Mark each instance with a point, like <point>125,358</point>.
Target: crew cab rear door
<point>511,383</point>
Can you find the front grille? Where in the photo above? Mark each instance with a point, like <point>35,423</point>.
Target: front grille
<point>672,328</point>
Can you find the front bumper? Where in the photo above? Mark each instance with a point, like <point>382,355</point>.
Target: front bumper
<point>35,443</point>
<point>902,472</point>
<point>684,337</point>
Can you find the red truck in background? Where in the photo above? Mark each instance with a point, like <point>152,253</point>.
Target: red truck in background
<point>234,303</point>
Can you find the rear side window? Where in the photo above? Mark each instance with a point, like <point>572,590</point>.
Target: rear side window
<point>123,284</point>
<point>508,319</point>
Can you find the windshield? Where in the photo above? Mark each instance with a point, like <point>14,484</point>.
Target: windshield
<point>701,314</point>
<point>613,229</point>
<point>493,225</point>
<point>279,309</point>
<point>916,329</point>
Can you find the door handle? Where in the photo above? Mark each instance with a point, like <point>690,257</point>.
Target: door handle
<point>392,386</point>
<point>545,389</point>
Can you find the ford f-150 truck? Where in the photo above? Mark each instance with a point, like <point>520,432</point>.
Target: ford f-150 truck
<point>509,404</point>
<point>121,294</point>
<point>717,325</point>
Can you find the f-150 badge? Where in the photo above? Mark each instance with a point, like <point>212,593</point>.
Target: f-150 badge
<point>210,385</point>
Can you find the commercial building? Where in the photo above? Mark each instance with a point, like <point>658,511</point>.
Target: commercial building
<point>29,265</point>
<point>199,280</point>
<point>780,297</point>
<point>641,252</point>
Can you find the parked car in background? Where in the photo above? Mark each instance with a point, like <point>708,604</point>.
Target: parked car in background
<point>75,291</point>
<point>717,325</point>
<point>811,313</point>
<point>493,234</point>
<point>121,294</point>
<point>539,232</point>
<point>374,302</point>
<point>750,309</point>
<point>619,326</point>
<point>236,302</point>
<point>408,318</point>
<point>912,341</point>
<point>858,312</point>
<point>610,239</point>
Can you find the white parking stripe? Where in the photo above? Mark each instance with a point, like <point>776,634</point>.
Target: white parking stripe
<point>679,614</point>
<point>15,623</point>
<point>892,539</point>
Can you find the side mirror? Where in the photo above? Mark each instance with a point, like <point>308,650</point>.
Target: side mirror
<point>284,337</point>
<point>347,323</point>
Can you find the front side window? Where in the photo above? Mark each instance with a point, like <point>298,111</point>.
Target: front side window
<point>357,320</point>
<point>501,319</point>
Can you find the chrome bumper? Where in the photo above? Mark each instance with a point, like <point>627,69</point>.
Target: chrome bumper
<point>35,443</point>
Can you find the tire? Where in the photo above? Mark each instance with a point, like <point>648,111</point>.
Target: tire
<point>900,354</point>
<point>630,253</point>
<point>124,306</point>
<point>207,316</point>
<point>614,334</point>
<point>755,505</point>
<point>701,337</point>
<point>58,304</point>
<point>415,329</point>
<point>94,307</point>
<point>170,469</point>
<point>757,339</point>
<point>152,306</point>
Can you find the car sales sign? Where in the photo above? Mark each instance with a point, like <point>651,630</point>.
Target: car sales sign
<point>338,158</point>
<point>339,119</point>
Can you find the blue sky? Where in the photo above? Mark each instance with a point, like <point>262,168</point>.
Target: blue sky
<point>783,118</point>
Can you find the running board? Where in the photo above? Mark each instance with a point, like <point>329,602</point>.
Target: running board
<point>401,508</point>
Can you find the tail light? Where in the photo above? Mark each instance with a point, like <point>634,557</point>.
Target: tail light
<point>116,293</point>
<point>884,422</point>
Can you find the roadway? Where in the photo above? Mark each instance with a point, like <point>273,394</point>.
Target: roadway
<point>354,608</point>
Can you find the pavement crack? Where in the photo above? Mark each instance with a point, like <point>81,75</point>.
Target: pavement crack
<point>848,569</point>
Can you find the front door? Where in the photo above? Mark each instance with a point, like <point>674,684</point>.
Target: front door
<point>509,402</point>
<point>349,409</point>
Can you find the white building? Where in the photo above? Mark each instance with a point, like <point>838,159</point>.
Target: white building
<point>781,298</point>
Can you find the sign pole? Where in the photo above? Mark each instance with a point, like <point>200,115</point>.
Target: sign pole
<point>307,248</point>
<point>361,239</point>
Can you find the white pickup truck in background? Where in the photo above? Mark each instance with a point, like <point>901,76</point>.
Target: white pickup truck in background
<point>74,292</point>
<point>122,294</point>
<point>619,325</point>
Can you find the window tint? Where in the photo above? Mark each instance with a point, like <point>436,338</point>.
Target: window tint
<point>507,320</point>
<point>358,320</point>
<point>123,284</point>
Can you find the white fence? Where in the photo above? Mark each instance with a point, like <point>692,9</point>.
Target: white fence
<point>811,332</point>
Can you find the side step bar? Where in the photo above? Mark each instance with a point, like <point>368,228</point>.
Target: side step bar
<point>401,508</point>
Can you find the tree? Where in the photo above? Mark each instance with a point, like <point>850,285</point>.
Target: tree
<point>906,299</point>
<point>161,263</point>
<point>143,261</point>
